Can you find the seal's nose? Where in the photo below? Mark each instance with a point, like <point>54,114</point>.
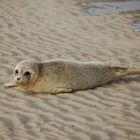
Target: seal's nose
<point>18,78</point>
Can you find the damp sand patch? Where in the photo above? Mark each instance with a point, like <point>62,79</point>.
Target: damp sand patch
<point>136,26</point>
<point>102,8</point>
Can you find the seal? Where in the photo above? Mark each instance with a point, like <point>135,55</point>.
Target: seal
<point>57,76</point>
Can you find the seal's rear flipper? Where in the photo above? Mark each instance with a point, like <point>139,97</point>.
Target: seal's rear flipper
<point>11,84</point>
<point>121,71</point>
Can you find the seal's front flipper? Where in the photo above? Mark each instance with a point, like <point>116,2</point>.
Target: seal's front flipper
<point>11,84</point>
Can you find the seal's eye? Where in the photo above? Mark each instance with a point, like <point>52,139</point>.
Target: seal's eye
<point>27,73</point>
<point>16,72</point>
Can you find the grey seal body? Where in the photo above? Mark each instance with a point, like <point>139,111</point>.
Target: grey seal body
<point>65,76</point>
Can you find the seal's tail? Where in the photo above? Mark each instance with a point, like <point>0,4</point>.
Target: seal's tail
<point>121,71</point>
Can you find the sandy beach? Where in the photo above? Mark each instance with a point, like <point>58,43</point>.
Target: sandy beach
<point>51,29</point>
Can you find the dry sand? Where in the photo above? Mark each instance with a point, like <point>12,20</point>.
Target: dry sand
<point>51,29</point>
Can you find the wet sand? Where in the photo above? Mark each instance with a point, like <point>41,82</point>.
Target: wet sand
<point>50,29</point>
<point>102,8</point>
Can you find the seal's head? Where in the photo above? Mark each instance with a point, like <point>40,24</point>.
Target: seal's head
<point>26,73</point>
